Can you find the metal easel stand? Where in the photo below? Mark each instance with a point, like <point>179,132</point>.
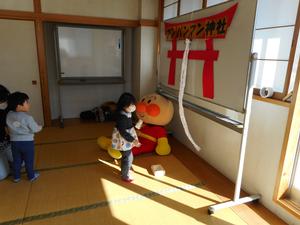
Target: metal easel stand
<point>237,200</point>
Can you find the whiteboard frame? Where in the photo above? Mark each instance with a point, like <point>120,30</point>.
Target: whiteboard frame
<point>87,80</point>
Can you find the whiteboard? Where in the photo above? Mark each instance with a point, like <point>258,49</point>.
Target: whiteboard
<point>89,52</point>
<point>231,67</point>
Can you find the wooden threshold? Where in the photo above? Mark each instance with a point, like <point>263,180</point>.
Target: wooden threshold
<point>290,206</point>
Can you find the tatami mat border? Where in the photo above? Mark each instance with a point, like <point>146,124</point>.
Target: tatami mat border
<point>66,141</point>
<point>137,197</point>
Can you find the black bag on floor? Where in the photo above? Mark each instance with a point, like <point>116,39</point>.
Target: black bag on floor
<point>96,114</point>
<point>87,115</point>
<point>109,110</point>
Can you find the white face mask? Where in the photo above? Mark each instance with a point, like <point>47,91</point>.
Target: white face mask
<point>131,108</point>
<point>3,105</point>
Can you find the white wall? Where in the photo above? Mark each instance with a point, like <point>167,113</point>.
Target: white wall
<point>18,62</point>
<point>148,78</point>
<point>23,5</point>
<point>221,146</point>
<point>145,52</point>
<point>121,9</point>
<point>149,9</point>
<point>144,63</point>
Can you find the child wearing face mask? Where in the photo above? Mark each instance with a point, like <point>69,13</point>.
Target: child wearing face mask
<point>124,136</point>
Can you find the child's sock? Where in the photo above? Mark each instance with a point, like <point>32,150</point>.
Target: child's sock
<point>128,179</point>
<point>16,180</point>
<point>36,175</point>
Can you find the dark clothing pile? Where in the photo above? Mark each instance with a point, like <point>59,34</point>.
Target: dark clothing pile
<point>3,135</point>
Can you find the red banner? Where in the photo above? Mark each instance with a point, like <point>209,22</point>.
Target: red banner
<point>205,28</point>
<point>209,55</point>
<point>208,27</point>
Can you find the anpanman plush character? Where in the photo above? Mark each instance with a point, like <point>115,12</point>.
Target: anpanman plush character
<point>155,111</point>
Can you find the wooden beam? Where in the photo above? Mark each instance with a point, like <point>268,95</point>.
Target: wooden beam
<point>52,17</point>
<point>160,20</point>
<point>61,18</point>
<point>16,15</point>
<point>39,33</point>
<point>204,4</point>
<point>37,6</point>
<point>160,10</point>
<point>148,23</point>
<point>178,7</point>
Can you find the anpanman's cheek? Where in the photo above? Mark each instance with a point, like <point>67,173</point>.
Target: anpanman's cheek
<point>153,110</point>
<point>140,107</point>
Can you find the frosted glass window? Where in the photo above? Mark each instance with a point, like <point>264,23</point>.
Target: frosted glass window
<point>270,74</point>
<point>187,6</point>
<point>214,2</point>
<point>169,2</point>
<point>295,65</point>
<point>170,11</point>
<point>272,13</point>
<point>273,43</point>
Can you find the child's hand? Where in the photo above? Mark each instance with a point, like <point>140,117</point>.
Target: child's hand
<point>139,124</point>
<point>136,143</point>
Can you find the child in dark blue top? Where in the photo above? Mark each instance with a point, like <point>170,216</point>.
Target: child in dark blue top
<point>124,136</point>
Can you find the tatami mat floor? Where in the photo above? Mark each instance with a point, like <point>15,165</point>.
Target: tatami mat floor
<point>80,184</point>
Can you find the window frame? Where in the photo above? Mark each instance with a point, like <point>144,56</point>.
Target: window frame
<point>291,138</point>
<point>288,153</point>
<point>281,95</point>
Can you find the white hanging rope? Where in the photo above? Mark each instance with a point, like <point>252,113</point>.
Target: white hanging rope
<point>181,93</point>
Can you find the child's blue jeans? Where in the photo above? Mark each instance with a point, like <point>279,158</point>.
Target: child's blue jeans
<point>23,151</point>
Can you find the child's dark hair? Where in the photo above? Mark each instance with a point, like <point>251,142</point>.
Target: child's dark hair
<point>15,99</point>
<point>3,93</point>
<point>125,100</point>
